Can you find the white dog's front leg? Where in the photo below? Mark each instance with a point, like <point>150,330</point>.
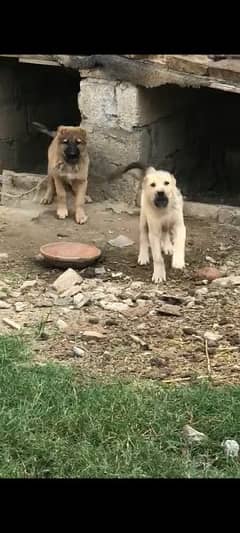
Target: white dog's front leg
<point>166,243</point>
<point>179,239</point>
<point>143,258</point>
<point>159,273</point>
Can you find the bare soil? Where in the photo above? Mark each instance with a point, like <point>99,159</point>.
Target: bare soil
<point>140,342</point>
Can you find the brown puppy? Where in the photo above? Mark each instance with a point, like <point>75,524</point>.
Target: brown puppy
<point>68,164</point>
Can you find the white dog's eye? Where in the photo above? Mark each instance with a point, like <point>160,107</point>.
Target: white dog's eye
<point>166,182</point>
<point>153,184</point>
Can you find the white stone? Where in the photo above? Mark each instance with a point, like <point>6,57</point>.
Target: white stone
<point>67,280</point>
<point>229,281</point>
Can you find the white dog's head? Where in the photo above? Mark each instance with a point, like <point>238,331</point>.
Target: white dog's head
<point>159,187</point>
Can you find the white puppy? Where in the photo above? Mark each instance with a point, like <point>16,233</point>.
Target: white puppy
<point>161,222</point>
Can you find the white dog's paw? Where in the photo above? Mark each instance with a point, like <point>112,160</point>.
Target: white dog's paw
<point>143,259</point>
<point>167,249</point>
<point>159,277</point>
<point>62,213</point>
<point>178,263</point>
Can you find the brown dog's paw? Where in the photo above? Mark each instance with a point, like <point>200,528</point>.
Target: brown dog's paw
<point>88,199</point>
<point>81,218</point>
<point>46,200</point>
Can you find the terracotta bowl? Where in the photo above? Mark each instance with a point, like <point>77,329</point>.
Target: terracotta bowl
<point>65,254</point>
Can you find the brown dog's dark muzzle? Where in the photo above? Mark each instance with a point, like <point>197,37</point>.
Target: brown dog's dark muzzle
<point>71,153</point>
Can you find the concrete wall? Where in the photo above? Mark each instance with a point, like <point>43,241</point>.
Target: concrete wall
<point>33,93</point>
<point>194,133</point>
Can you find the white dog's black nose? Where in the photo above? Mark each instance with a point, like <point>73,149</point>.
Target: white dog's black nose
<point>160,199</point>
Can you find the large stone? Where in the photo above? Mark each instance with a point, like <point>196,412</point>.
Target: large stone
<point>65,281</point>
<point>97,101</point>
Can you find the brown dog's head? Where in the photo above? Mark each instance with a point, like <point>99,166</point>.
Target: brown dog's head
<point>72,142</point>
<point>159,186</point>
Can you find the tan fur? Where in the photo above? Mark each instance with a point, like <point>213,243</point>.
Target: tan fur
<point>162,229</point>
<point>61,174</point>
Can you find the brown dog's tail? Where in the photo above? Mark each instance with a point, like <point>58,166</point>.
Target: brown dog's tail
<point>43,129</point>
<point>121,170</point>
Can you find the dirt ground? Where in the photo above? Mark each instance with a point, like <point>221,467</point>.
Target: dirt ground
<point>138,342</point>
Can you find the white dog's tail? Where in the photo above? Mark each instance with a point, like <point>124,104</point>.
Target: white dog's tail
<point>121,170</point>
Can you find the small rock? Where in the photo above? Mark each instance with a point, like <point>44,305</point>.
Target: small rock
<point>139,341</point>
<point>173,300</point>
<point>114,306</point>
<point>93,335</point>
<point>189,331</point>
<point>229,281</point>
<point>169,310</point>
<point>99,271</point>
<point>11,323</point>
<point>79,352</point>
<point>19,306</point>
<point>121,241</point>
<point>192,435</point>
<point>212,338</point>
<point>75,289</point>
<point>111,322</point>
<point>3,257</point>
<point>80,300</point>
<point>117,274</point>
<point>201,292</point>
<point>3,295</point>
<point>28,284</point>
<point>230,264</point>
<point>93,320</point>
<point>62,326</point>
<point>156,361</point>
<point>207,273</point>
<point>210,259</point>
<point>67,280</point>
<point>231,448</point>
<point>4,305</point>
<point>135,285</point>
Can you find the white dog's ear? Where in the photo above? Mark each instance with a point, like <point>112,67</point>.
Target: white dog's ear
<point>150,170</point>
<point>173,179</point>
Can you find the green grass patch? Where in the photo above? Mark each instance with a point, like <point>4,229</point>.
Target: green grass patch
<point>53,426</point>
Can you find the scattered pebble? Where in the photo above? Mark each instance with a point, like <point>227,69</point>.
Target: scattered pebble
<point>121,241</point>
<point>79,352</point>
<point>3,256</point>
<point>11,323</point>
<point>114,306</point>
<point>192,435</point>
<point>231,448</point>
<point>212,337</point>
<point>169,310</point>
<point>62,326</point>
<point>80,300</point>
<point>93,335</point>
<point>99,271</point>
<point>229,281</point>
<point>28,284</point>
<point>210,259</point>
<point>19,306</point>
<point>4,305</point>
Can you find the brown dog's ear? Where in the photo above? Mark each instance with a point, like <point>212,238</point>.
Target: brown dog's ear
<point>83,135</point>
<point>61,129</point>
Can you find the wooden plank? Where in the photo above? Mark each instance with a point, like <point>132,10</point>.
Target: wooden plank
<point>226,70</point>
<point>188,64</point>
